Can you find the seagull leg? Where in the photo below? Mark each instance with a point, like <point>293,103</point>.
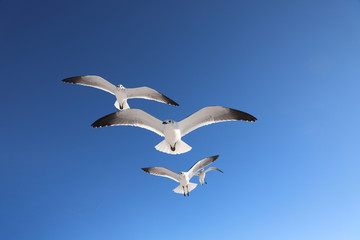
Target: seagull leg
<point>187,190</point>
<point>205,182</point>
<point>184,191</point>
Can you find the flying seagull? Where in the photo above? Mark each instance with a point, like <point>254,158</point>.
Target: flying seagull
<point>183,178</point>
<point>121,93</point>
<point>171,130</point>
<point>202,174</point>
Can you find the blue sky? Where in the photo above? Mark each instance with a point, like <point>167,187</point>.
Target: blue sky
<point>294,174</point>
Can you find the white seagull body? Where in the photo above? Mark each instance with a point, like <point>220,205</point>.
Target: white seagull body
<point>202,174</point>
<point>121,93</point>
<point>183,178</point>
<point>171,130</point>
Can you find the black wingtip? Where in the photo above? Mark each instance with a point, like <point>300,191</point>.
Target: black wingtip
<point>70,79</point>
<point>240,115</point>
<point>97,124</point>
<point>104,121</point>
<point>146,169</point>
<point>175,104</point>
<point>214,157</point>
<point>171,102</point>
<point>65,80</point>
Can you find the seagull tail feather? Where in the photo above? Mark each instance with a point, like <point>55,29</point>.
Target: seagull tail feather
<point>192,186</point>
<point>125,105</point>
<point>179,189</point>
<point>180,147</point>
<point>117,105</point>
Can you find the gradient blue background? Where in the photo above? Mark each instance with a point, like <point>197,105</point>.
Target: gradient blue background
<point>294,174</point>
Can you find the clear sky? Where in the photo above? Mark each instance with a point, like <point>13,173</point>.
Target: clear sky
<point>294,174</point>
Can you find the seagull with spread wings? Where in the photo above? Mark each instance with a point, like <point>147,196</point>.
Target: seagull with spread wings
<point>121,93</point>
<point>183,178</point>
<point>173,131</point>
<point>203,172</point>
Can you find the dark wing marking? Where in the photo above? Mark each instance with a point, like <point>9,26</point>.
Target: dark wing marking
<point>213,114</point>
<point>213,168</point>
<point>93,81</point>
<point>131,117</point>
<point>163,172</point>
<point>150,94</point>
<point>201,164</point>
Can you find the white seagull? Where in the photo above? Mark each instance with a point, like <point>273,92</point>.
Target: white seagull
<point>121,93</point>
<point>171,130</point>
<point>183,178</point>
<point>202,174</point>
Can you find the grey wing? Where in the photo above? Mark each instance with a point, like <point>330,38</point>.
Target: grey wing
<point>213,168</point>
<point>201,164</point>
<point>131,117</point>
<point>163,172</point>
<point>93,81</point>
<point>150,94</point>
<point>213,114</point>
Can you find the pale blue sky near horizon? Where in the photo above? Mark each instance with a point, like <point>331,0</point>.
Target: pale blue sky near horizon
<point>293,174</point>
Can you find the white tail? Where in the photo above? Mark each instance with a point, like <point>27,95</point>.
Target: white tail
<point>179,189</point>
<point>125,105</point>
<point>116,104</point>
<point>180,147</point>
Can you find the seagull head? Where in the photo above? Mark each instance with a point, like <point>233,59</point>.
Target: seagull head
<point>120,86</point>
<point>169,121</point>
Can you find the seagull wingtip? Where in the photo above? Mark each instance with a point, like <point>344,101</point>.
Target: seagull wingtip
<point>172,102</point>
<point>243,115</point>
<point>69,80</point>
<point>95,125</point>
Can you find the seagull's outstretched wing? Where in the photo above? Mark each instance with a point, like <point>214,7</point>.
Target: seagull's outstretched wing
<point>131,117</point>
<point>149,93</point>
<point>201,164</point>
<point>163,172</point>
<point>93,81</point>
<point>213,168</point>
<point>213,114</point>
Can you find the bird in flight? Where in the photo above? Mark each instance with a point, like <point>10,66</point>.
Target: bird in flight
<point>203,172</point>
<point>173,131</point>
<point>183,178</point>
<point>121,93</point>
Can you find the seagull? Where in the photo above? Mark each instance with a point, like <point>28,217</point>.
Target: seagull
<point>121,93</point>
<point>183,178</point>
<point>202,174</point>
<point>173,131</point>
